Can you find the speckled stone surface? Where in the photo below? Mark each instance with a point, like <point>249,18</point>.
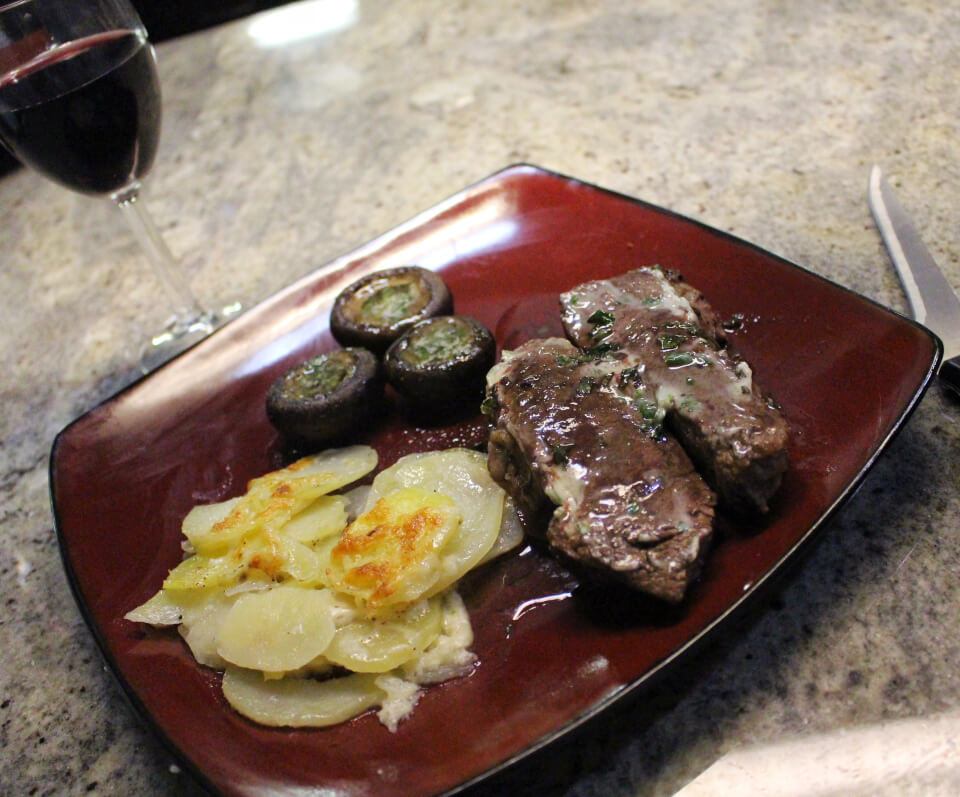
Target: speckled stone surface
<point>760,118</point>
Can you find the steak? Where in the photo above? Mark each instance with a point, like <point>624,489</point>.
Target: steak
<point>580,431</point>
<point>665,330</point>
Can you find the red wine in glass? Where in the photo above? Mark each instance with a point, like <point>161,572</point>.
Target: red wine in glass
<point>85,113</point>
<point>80,103</point>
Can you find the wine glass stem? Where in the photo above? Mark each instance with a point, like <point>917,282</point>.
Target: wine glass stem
<point>186,306</point>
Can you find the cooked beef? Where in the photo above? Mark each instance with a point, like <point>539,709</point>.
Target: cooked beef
<point>650,296</point>
<point>664,329</point>
<point>629,500</point>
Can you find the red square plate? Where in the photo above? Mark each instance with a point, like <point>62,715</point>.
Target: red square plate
<point>847,372</point>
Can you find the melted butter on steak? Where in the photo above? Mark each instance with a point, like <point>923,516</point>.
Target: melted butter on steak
<point>665,329</point>
<point>579,431</point>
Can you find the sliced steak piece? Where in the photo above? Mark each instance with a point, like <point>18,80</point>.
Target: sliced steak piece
<point>666,330</point>
<point>646,296</point>
<point>629,501</point>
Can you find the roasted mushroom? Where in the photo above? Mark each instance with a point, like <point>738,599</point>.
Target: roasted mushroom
<point>441,361</point>
<point>377,309</point>
<point>328,396</point>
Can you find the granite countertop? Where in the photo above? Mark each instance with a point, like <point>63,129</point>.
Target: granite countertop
<point>758,118</point>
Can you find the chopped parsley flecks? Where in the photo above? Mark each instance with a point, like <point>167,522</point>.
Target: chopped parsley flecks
<point>599,333</point>
<point>669,342</point>
<point>648,409</point>
<point>602,324</point>
<point>597,352</point>
<point>321,375</point>
<point>437,343</point>
<point>652,414</point>
<point>561,453</point>
<point>601,350</point>
<point>601,318</point>
<point>390,304</point>
<point>585,386</point>
<point>490,406</point>
<point>678,359</point>
<point>691,330</point>
<point>631,377</point>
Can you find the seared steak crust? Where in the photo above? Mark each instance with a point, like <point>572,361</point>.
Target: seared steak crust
<point>665,329</point>
<point>578,430</point>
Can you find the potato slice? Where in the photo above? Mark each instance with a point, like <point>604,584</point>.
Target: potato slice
<point>324,518</point>
<point>160,610</point>
<point>205,573</point>
<point>461,475</point>
<point>263,556</point>
<point>356,498</point>
<point>277,630</point>
<point>338,466</point>
<point>279,557</point>
<point>273,499</point>
<point>510,534</point>
<point>202,617</point>
<point>203,517</point>
<point>380,644</point>
<point>299,702</point>
<point>391,553</point>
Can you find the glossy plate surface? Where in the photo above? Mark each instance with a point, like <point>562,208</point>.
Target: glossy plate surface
<point>846,371</point>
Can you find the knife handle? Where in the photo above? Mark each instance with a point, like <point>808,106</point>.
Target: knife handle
<point>950,374</point>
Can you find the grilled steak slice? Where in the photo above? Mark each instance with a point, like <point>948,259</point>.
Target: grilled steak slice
<point>650,296</point>
<point>629,500</point>
<point>666,330</point>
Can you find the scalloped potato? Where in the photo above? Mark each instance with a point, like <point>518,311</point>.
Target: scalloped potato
<point>380,644</point>
<point>299,702</point>
<point>293,580</point>
<point>278,629</point>
<point>271,501</point>
<point>392,553</point>
<point>462,475</point>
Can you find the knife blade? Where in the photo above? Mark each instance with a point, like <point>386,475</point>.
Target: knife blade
<point>932,300</point>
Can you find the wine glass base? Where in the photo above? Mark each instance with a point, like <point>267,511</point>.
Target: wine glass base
<point>180,333</point>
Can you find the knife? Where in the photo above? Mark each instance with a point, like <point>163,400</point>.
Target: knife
<point>932,300</point>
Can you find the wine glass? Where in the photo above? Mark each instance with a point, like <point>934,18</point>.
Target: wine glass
<point>80,103</point>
